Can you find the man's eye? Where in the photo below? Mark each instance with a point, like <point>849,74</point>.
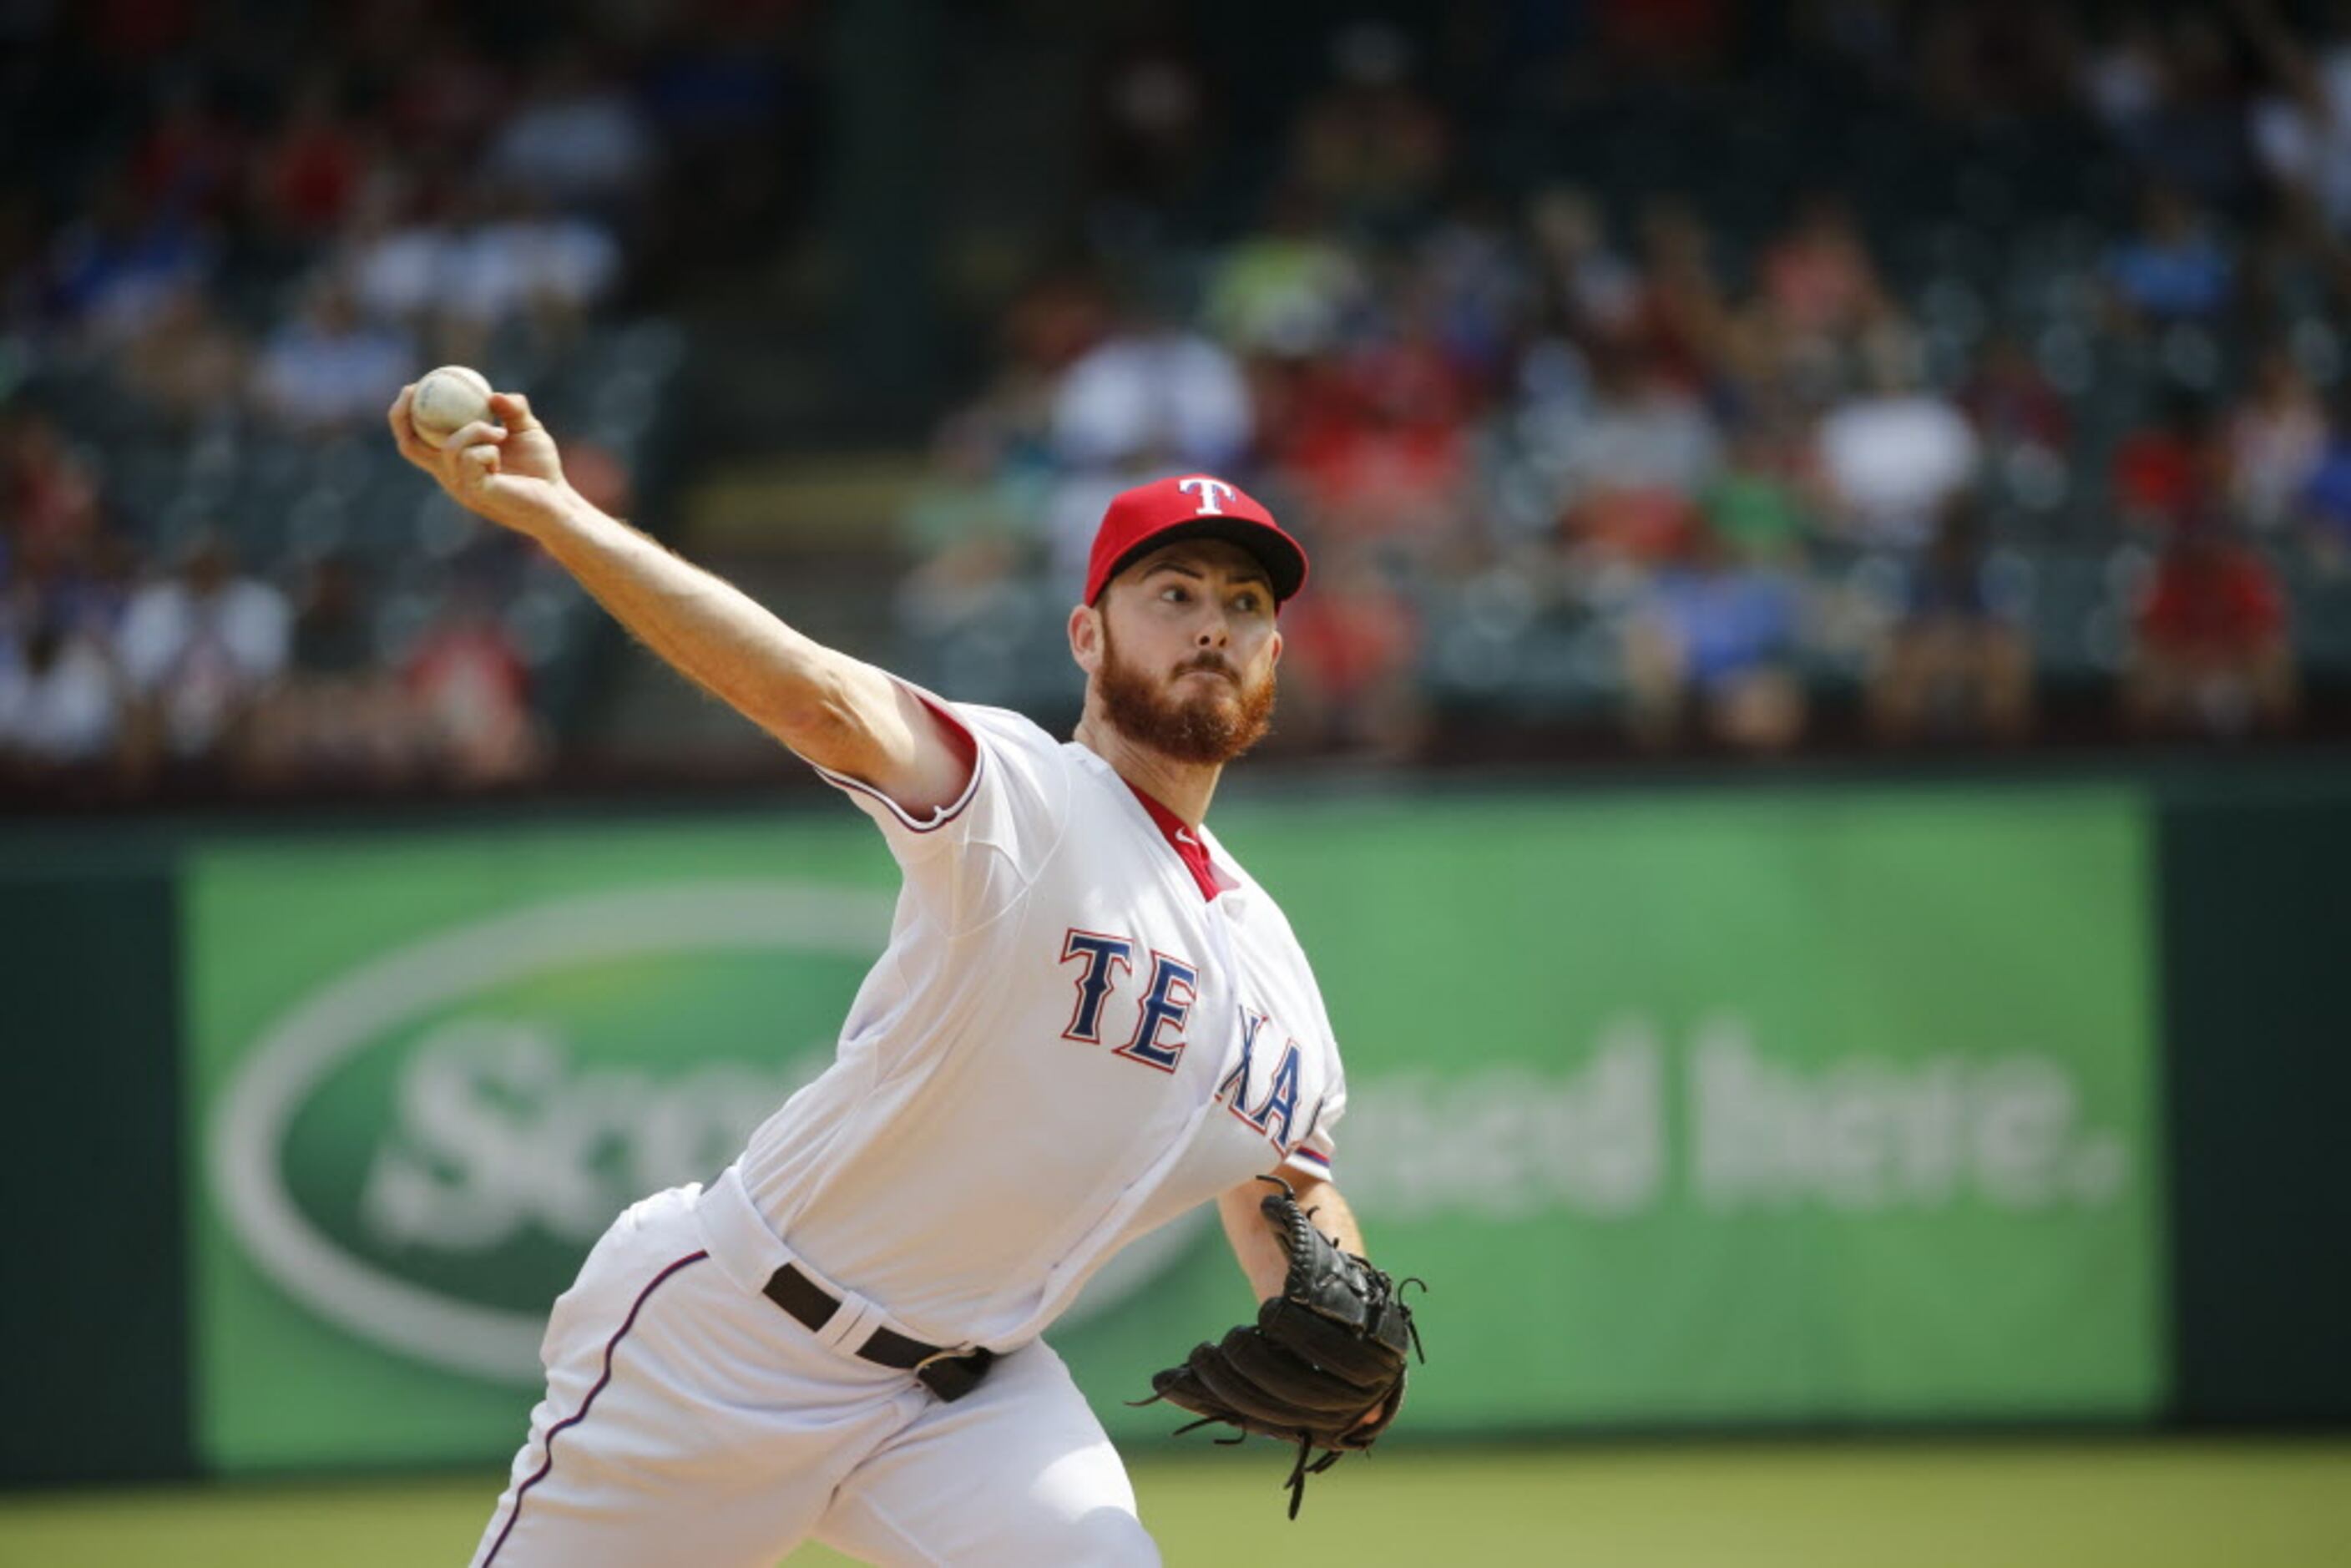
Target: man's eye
<point>1175,594</point>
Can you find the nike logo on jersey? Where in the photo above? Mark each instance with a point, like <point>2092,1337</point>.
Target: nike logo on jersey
<point>1184,837</point>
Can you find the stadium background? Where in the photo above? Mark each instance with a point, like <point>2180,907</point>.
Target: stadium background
<point>1812,767</point>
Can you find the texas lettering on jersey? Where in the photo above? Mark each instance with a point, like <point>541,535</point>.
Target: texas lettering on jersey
<point>1166,1000</point>
<point>1261,1092</point>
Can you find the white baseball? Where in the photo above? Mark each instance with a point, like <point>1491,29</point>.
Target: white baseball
<point>448,399</point>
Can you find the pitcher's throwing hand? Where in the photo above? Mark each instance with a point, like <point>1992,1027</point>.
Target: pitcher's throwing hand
<point>508,472</point>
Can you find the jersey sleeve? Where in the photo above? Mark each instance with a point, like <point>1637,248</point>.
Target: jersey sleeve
<point>1312,1154</point>
<point>975,855</point>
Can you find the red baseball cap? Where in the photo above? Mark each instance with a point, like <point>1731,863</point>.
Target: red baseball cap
<point>1196,506</point>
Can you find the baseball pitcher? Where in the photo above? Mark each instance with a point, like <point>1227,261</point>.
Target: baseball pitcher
<point>1089,1020</point>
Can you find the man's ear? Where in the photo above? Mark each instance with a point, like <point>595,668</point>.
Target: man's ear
<point>1086,637</point>
<point>1276,647</point>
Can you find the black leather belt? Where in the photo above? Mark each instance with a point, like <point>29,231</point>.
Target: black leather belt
<point>947,1375</point>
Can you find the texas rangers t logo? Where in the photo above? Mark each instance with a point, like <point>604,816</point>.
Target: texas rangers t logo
<point>1213,494</point>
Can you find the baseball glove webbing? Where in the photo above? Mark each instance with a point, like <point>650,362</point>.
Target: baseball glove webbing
<point>1324,1365</point>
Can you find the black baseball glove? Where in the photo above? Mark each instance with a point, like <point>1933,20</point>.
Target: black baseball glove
<point>1324,1365</point>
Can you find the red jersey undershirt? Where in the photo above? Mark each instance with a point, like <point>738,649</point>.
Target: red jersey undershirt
<point>1188,846</point>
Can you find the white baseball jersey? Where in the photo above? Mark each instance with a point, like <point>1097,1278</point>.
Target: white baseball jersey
<point>1086,1023</point>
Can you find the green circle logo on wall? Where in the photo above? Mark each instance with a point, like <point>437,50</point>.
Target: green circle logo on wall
<point>421,1149</point>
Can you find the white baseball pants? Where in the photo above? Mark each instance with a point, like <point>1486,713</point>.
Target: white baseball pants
<point>690,1422</point>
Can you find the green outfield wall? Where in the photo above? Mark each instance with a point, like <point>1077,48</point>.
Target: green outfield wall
<point>1698,1108</point>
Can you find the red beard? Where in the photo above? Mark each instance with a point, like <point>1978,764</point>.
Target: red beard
<point>1204,726</point>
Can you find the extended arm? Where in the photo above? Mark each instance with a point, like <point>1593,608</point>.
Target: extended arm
<point>836,711</point>
<point>1260,1255</point>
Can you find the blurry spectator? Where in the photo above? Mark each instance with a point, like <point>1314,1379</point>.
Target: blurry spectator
<point>1683,324</point>
<point>1553,397</point>
<point>448,96</point>
<point>971,529</point>
<point>394,254</point>
<point>1892,457</point>
<point>201,651</point>
<point>1286,288</point>
<point>112,270</point>
<point>2211,655</point>
<point>1155,395</point>
<point>1371,146</point>
<point>470,691</point>
<point>310,173</point>
<point>1053,321</point>
<point>578,140</point>
<point>1467,286</point>
<point>49,498</point>
<point>327,369</point>
<point>62,698</point>
<point>2122,76</point>
<point>1056,317</point>
<point>1631,471</point>
<point>188,364</point>
<point>334,637</point>
<point>2276,440</point>
<point>190,159</point>
<point>2164,471</point>
<point>2301,128</point>
<point>2326,502</point>
<point>337,716</point>
<point>2194,137</point>
<point>1349,651</point>
<point>60,702</point>
<point>80,582</point>
<point>1755,503</point>
<point>1956,663</point>
<point>2175,267</point>
<point>2011,404</point>
<point>1714,641</point>
<point>2026,425</point>
<point>504,255</point>
<point>1817,280</point>
<point>526,261</point>
<point>1584,288</point>
<point>1379,442</point>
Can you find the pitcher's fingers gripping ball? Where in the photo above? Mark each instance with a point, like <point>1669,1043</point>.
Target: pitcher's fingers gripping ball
<point>507,471</point>
<point>1323,1366</point>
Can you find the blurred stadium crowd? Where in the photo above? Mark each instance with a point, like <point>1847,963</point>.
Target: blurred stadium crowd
<point>235,230</point>
<point>1954,372</point>
<point>1669,373</point>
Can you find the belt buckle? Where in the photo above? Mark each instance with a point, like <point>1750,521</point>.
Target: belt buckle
<point>952,1373</point>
